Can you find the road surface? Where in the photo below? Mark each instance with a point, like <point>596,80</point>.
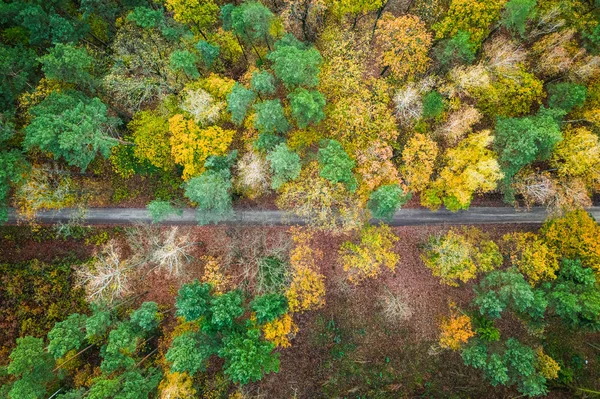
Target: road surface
<point>404,217</point>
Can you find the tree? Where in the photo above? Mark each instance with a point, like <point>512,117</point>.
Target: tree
<point>192,301</point>
<point>474,17</point>
<point>238,102</point>
<point>146,317</point>
<point>269,307</point>
<point>516,13</point>
<point>336,166</point>
<point>177,386</point>
<point>192,145</point>
<point>69,64</point>
<point>456,330</point>
<point>270,117</point>
<point>294,63</point>
<point>566,96</point>
<point>250,20</point>
<point>433,105</point>
<point>253,175</point>
<point>376,249</point>
<point>419,156</point>
<point>307,107</point>
<point>263,82</point>
<point>532,256</point>
<point>247,357</point>
<point>146,18</point>
<point>12,169</point>
<point>150,132</point>
<point>459,124</point>
<point>211,192</point>
<point>578,156</point>
<point>520,141</point>
<point>457,50</point>
<point>404,43</point>
<point>469,168</point>
<point>574,236</point>
<point>184,60</point>
<point>201,15</point>
<point>18,70</point>
<point>458,256</point>
<point>386,200</point>
<point>341,8</point>
<point>224,309</point>
<point>33,366</point>
<point>67,335</point>
<point>72,127</point>
<point>208,52</point>
<point>160,210</point>
<point>285,165</point>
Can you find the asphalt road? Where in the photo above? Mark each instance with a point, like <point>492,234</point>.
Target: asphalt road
<point>404,217</point>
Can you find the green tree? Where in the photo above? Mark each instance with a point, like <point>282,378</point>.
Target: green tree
<point>208,52</point>
<point>247,357</point>
<point>433,105</point>
<point>146,317</point>
<point>457,50</point>
<point>72,127</point>
<point>193,301</point>
<point>307,107</point>
<point>238,102</point>
<point>269,307</point>
<point>146,18</point>
<point>270,117</point>
<point>224,309</point>
<point>32,365</point>
<point>67,335</point>
<point>285,165</point>
<point>520,141</point>
<point>263,82</point>
<point>294,63</point>
<point>386,200</point>
<point>515,15</point>
<point>336,166</point>
<point>211,192</point>
<point>187,354</point>
<point>68,63</point>
<point>18,66</point>
<point>250,20</point>
<point>184,60</point>
<point>566,96</point>
<point>12,168</point>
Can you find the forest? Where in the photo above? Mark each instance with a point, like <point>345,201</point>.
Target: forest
<point>341,114</point>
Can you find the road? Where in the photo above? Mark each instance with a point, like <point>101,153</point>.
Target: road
<point>404,217</point>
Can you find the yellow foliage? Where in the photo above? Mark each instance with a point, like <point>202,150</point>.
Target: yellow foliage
<point>546,366</point>
<point>303,255</point>
<point>216,85</point>
<point>191,145</point>
<point>306,291</point>
<point>473,16</point>
<point>578,155</point>
<point>455,330</point>
<point>44,88</point>
<point>404,43</point>
<point>279,330</point>
<point>151,137</point>
<point>176,386</point>
<point>375,167</point>
<point>214,276</point>
<point>364,260</point>
<point>419,157</point>
<point>532,257</point>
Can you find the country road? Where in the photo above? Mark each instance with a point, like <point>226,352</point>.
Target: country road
<point>404,217</point>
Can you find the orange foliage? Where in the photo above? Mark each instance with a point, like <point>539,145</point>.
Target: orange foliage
<point>279,330</point>
<point>455,330</point>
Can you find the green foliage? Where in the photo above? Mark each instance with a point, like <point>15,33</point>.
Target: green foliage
<point>267,142</point>
<point>121,345</point>
<point>160,210</point>
<point>97,325</point>
<point>17,71</point>
<point>295,64</point>
<point>285,165</point>
<point>268,307</point>
<point>72,127</point>
<point>184,60</point>
<point>145,317</point>
<point>575,296</point>
<point>386,200</point>
<point>520,141</point>
<point>146,18</point>
<point>33,366</point>
<point>502,289</point>
<point>129,385</point>
<point>238,102</point>
<point>307,107</point>
<point>516,13</point>
<point>193,301</point>
<point>263,82</point>
<point>566,96</point>
<point>209,52</point>
<point>486,330</point>
<point>433,105</point>
<point>457,50</point>
<point>211,192</point>
<point>68,63</point>
<point>247,357</point>
<point>218,163</point>
<point>186,353</point>
<point>224,310</point>
<point>270,117</point>
<point>12,168</point>
<point>67,335</point>
<point>250,20</point>
<point>336,166</point>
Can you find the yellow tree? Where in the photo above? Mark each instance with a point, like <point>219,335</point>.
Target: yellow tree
<point>578,156</point>
<point>150,133</point>
<point>404,43</point>
<point>418,157</point>
<point>456,330</point>
<point>365,259</point>
<point>469,168</point>
<point>191,145</point>
<point>199,14</point>
<point>532,256</point>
